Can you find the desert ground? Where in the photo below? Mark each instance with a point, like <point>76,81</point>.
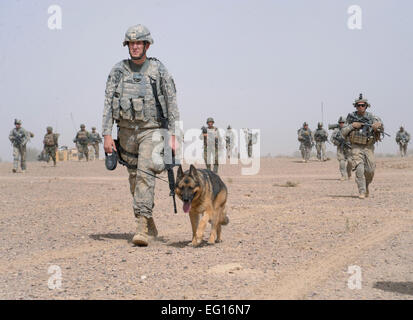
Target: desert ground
<point>294,231</point>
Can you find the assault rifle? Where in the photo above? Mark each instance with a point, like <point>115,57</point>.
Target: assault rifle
<point>367,129</point>
<point>169,165</point>
<point>18,140</point>
<point>307,139</point>
<point>341,141</point>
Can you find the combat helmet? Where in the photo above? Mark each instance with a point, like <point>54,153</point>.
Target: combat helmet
<point>305,124</point>
<point>137,33</point>
<point>341,119</point>
<point>93,128</point>
<point>210,120</point>
<point>320,125</point>
<point>229,127</point>
<point>361,100</point>
<point>82,126</point>
<point>17,121</point>
<point>49,128</point>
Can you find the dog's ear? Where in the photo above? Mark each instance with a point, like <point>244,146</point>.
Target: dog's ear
<point>193,172</point>
<point>180,173</point>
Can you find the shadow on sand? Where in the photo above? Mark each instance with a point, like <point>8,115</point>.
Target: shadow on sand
<point>114,236</point>
<point>340,196</point>
<point>399,287</point>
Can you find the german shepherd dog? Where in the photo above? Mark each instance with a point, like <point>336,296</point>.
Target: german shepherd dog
<point>202,192</point>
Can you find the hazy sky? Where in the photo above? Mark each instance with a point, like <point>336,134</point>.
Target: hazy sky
<point>258,64</point>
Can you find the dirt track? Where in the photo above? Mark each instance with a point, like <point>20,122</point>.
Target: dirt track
<point>281,242</point>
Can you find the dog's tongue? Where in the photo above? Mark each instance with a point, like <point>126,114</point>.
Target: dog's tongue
<point>187,207</point>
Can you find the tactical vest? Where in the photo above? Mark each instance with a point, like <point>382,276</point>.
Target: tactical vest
<point>82,137</point>
<point>20,136</point>
<point>134,100</point>
<point>212,137</point>
<point>49,139</point>
<point>357,136</point>
<point>320,135</point>
<point>94,137</point>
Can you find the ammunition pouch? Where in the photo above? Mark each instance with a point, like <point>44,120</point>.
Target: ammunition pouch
<point>358,137</point>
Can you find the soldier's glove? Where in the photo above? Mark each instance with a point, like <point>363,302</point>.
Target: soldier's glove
<point>357,125</point>
<point>111,160</point>
<point>376,126</point>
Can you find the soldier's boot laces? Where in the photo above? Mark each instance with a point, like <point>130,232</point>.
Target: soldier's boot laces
<point>141,236</point>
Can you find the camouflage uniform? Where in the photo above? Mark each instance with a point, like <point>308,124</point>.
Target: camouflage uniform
<point>403,138</point>
<point>250,139</point>
<point>320,137</point>
<point>211,146</point>
<point>82,140</point>
<point>50,145</point>
<point>130,101</point>
<point>362,152</point>
<point>19,138</point>
<point>343,152</point>
<point>230,142</point>
<point>305,136</point>
<point>95,139</point>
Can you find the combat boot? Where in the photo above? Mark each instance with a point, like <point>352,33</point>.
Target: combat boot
<point>362,196</point>
<point>152,231</point>
<point>14,170</point>
<point>141,236</point>
<point>367,191</point>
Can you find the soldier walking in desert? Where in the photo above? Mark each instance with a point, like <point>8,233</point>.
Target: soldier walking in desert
<point>363,129</point>
<point>343,150</point>
<point>402,139</point>
<point>19,138</point>
<point>305,137</point>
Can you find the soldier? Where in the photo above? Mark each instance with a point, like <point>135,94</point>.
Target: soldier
<point>19,138</point>
<point>212,140</point>
<point>95,139</point>
<point>230,142</point>
<point>133,90</point>
<point>305,137</point>
<point>82,140</point>
<point>343,150</point>
<point>250,139</point>
<point>363,130</point>
<point>320,137</point>
<point>403,138</point>
<point>50,145</point>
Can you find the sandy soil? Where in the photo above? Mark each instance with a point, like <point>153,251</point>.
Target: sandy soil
<point>281,242</point>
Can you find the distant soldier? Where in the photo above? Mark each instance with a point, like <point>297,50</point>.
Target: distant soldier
<point>50,145</point>
<point>403,138</point>
<point>82,140</point>
<point>212,140</point>
<point>305,136</point>
<point>363,129</point>
<point>250,139</point>
<point>343,150</point>
<point>320,137</point>
<point>230,141</point>
<point>19,138</point>
<point>95,139</point>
